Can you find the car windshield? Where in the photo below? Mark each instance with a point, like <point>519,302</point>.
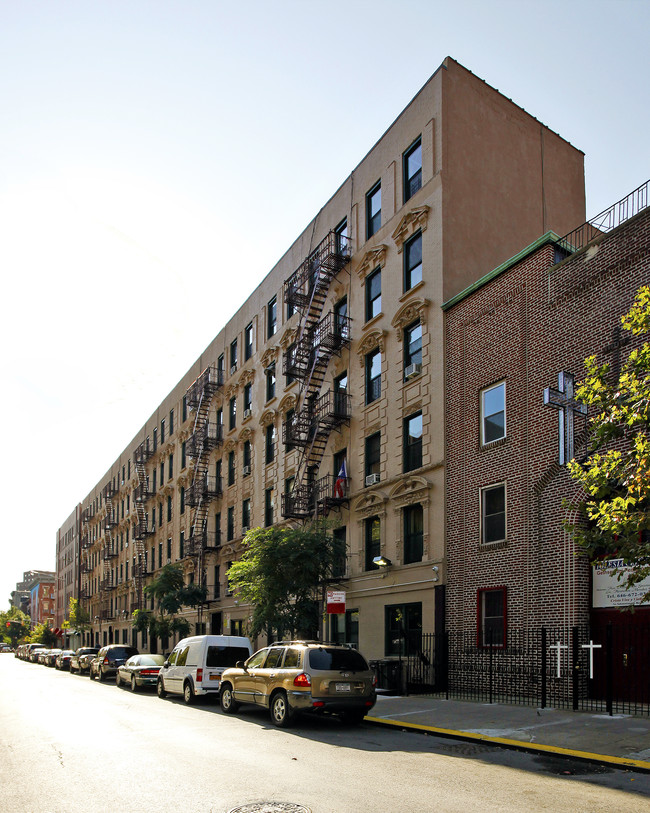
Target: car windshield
<point>123,651</point>
<point>225,655</point>
<point>326,660</point>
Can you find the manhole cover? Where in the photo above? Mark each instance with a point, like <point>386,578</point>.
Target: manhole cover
<point>270,807</point>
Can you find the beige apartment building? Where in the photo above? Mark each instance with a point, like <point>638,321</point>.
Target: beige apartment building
<point>324,393</point>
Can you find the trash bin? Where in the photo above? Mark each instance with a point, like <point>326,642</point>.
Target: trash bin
<point>389,676</point>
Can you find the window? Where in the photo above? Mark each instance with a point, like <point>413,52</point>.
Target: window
<point>248,398</point>
<point>270,443</point>
<point>412,169</point>
<point>288,429</point>
<point>373,294</point>
<point>169,550</point>
<point>493,514</point>
<point>341,394</point>
<point>230,524</point>
<point>217,527</point>
<point>413,261</point>
<point>268,507</point>
<point>231,468</point>
<point>341,323</point>
<point>290,364</point>
<point>271,317</point>
<point>341,237</point>
<point>221,367</point>
<point>232,413</point>
<point>170,467</point>
<point>373,376</point>
<point>182,500</point>
<point>183,455</point>
<point>245,515</point>
<point>372,534</point>
<point>233,356</point>
<point>162,436</point>
<point>155,439</point>
<point>171,422</point>
<point>413,534</point>
<point>412,345</point>
<point>372,457</point>
<point>181,545</point>
<point>248,341</point>
<point>373,210</point>
<point>270,382</point>
<point>246,458</point>
<point>491,617</point>
<point>412,436</point>
<point>493,413</point>
<point>169,508</point>
<point>403,629</point>
<point>184,408</point>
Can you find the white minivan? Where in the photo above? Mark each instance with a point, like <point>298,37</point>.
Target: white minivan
<point>196,664</point>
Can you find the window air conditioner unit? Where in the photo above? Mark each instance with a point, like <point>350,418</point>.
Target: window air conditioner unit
<point>247,413</point>
<point>412,370</point>
<point>246,471</point>
<point>233,369</point>
<point>372,479</point>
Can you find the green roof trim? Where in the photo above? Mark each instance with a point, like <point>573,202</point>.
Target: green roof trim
<point>545,239</point>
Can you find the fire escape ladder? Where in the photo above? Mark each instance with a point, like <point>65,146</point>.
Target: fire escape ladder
<point>319,338</point>
<point>142,529</point>
<point>205,437</point>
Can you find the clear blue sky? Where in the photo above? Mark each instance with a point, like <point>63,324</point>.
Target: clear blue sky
<point>152,152</point>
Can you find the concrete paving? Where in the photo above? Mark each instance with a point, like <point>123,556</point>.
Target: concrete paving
<point>621,740</point>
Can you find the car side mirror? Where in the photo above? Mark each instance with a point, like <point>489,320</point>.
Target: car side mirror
<point>241,665</point>
<point>166,664</point>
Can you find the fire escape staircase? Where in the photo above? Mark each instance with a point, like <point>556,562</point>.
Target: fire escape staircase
<point>142,528</point>
<point>109,551</point>
<point>205,437</point>
<point>319,338</point>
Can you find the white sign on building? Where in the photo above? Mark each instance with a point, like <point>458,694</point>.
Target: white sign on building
<point>609,587</point>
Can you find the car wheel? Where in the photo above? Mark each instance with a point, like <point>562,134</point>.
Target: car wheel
<point>134,685</point>
<point>90,673</point>
<point>281,713</point>
<point>160,688</point>
<point>228,703</point>
<point>117,678</point>
<point>188,694</point>
<point>100,675</point>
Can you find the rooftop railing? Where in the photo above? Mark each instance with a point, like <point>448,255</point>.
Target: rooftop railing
<point>612,217</point>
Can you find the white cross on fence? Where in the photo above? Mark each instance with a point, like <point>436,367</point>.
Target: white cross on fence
<point>559,647</point>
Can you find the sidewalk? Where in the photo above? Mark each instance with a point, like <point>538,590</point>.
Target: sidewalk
<point>622,740</point>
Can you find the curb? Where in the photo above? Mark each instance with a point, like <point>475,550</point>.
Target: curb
<point>618,762</point>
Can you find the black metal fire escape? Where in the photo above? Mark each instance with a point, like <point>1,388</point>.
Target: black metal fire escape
<point>142,528</point>
<point>205,437</point>
<point>109,550</point>
<point>319,338</point>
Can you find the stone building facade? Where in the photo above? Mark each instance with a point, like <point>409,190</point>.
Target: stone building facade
<point>456,185</point>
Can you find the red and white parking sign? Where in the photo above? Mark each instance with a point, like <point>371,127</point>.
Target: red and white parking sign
<point>335,602</point>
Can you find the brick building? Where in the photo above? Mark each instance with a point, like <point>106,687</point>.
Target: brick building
<point>511,566</point>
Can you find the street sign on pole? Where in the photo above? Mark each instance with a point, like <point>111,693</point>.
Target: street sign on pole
<point>335,602</point>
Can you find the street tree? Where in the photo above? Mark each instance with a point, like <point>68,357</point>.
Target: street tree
<point>42,634</point>
<point>281,574</point>
<point>78,618</point>
<point>614,517</point>
<point>14,625</point>
<point>170,595</point>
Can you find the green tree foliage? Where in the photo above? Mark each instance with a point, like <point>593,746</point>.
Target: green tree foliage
<point>280,575</point>
<point>42,634</point>
<point>14,626</point>
<point>78,618</point>
<point>614,519</point>
<point>170,594</point>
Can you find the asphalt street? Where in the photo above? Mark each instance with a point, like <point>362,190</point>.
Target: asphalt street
<point>69,744</point>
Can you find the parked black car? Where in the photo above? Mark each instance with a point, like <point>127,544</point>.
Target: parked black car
<point>106,661</point>
<point>78,662</point>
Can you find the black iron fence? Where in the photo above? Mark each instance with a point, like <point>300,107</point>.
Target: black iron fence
<point>602,669</point>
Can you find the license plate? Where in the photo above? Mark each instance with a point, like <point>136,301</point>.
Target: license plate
<point>343,687</point>
<point>214,677</point>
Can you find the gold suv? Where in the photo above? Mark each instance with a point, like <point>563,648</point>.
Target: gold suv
<point>291,677</point>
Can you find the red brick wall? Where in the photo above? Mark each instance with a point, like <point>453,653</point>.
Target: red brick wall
<point>525,326</point>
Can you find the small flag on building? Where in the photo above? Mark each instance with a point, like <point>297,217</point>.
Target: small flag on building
<point>339,485</point>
